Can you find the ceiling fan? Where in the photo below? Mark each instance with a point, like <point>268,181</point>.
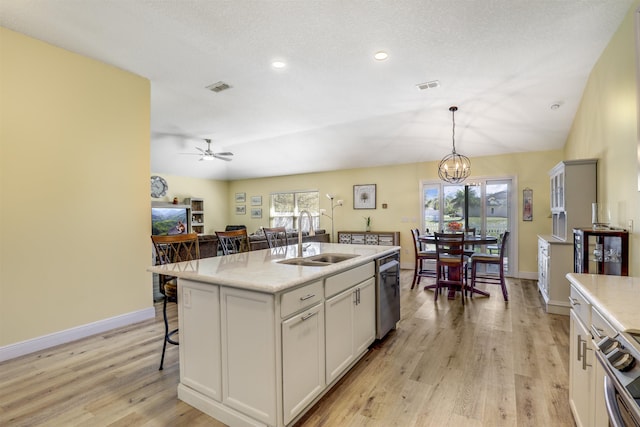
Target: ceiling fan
<point>210,155</point>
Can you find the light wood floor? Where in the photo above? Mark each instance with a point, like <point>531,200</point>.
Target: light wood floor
<point>485,364</point>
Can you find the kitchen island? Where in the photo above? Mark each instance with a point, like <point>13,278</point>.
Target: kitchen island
<point>262,340</point>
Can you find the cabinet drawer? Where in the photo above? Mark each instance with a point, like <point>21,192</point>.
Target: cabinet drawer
<point>581,306</point>
<point>300,298</point>
<point>347,279</point>
<point>600,327</point>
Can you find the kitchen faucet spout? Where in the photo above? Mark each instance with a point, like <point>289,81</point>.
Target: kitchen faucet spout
<point>311,232</point>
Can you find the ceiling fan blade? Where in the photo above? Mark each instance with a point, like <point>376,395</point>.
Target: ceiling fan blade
<point>200,149</point>
<point>225,153</point>
<point>218,156</point>
<point>191,154</point>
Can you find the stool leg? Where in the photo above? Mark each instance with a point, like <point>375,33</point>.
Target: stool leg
<point>166,332</point>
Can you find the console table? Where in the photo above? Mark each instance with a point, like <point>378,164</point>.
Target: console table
<point>382,238</point>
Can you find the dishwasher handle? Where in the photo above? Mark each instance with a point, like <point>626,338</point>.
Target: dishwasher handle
<point>389,265</point>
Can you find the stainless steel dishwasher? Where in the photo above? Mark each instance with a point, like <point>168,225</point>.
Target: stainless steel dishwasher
<point>387,293</point>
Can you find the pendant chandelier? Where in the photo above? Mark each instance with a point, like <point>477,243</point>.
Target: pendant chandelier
<point>454,168</point>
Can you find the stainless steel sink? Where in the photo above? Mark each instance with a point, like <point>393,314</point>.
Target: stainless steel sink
<point>332,258</point>
<point>304,262</point>
<point>321,260</point>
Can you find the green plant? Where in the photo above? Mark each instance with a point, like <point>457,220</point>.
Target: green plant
<point>367,220</point>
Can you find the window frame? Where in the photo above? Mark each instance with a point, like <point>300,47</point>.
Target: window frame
<point>293,216</point>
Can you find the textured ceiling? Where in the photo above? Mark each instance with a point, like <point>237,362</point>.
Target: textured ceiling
<point>502,62</point>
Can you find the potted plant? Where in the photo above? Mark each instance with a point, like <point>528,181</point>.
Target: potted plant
<point>367,223</point>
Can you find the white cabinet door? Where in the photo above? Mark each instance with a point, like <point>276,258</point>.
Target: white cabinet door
<point>543,268</point>
<point>199,322</point>
<point>302,360</point>
<point>350,326</point>
<point>339,333</point>
<point>249,353</point>
<point>581,372</point>
<point>364,328</point>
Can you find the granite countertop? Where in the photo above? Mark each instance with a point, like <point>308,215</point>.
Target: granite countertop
<point>617,298</point>
<point>260,270</point>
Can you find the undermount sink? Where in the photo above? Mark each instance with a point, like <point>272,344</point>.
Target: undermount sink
<point>321,260</point>
<point>331,258</point>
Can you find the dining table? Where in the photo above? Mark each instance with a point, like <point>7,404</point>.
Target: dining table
<point>476,240</point>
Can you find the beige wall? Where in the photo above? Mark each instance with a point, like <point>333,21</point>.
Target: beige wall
<point>215,195</point>
<point>399,187</point>
<point>74,190</point>
<point>606,128</point>
<point>74,183</point>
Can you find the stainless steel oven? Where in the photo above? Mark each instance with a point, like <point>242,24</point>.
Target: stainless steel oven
<point>387,293</point>
<point>619,356</point>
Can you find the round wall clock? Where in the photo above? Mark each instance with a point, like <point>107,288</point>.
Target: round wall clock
<point>159,186</point>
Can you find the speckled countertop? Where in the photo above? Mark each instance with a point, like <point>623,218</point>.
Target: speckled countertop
<point>260,270</point>
<point>616,297</point>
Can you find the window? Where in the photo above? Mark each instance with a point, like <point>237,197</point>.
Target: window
<point>285,209</point>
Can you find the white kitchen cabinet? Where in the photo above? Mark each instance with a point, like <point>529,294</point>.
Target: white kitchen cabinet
<point>555,260</point>
<point>586,375</point>
<point>303,364</point>
<point>581,372</point>
<point>350,322</point>
<point>257,358</point>
<point>249,353</point>
<point>573,190</point>
<point>200,367</point>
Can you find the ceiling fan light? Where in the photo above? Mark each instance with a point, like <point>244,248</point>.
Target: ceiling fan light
<point>207,158</point>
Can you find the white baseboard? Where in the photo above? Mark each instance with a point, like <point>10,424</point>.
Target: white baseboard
<point>12,351</point>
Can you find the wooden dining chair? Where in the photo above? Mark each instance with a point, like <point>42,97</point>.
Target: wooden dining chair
<point>276,236</point>
<point>170,249</point>
<point>488,260</point>
<point>469,249</point>
<point>421,256</point>
<point>233,242</point>
<point>450,263</point>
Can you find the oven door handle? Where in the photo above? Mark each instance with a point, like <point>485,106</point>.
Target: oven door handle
<point>615,419</point>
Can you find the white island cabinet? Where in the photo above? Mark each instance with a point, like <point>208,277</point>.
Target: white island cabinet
<point>262,341</point>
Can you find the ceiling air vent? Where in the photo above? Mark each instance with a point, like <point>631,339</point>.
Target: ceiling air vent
<point>428,85</point>
<point>218,87</point>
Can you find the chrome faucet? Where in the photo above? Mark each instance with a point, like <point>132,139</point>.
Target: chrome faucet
<point>311,232</point>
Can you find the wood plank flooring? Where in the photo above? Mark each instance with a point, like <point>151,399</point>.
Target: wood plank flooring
<point>483,364</point>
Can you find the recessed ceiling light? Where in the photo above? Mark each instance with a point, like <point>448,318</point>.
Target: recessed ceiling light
<point>381,55</point>
<point>278,64</point>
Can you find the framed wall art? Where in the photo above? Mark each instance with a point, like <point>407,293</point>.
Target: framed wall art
<point>256,200</point>
<point>241,210</point>
<point>527,204</point>
<point>256,212</point>
<point>364,196</point>
<point>241,197</point>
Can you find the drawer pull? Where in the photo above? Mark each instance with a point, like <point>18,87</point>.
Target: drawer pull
<point>584,355</point>
<point>597,331</point>
<point>306,297</point>
<point>306,316</point>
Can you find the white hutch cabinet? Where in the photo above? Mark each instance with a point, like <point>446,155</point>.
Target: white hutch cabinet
<point>573,190</point>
